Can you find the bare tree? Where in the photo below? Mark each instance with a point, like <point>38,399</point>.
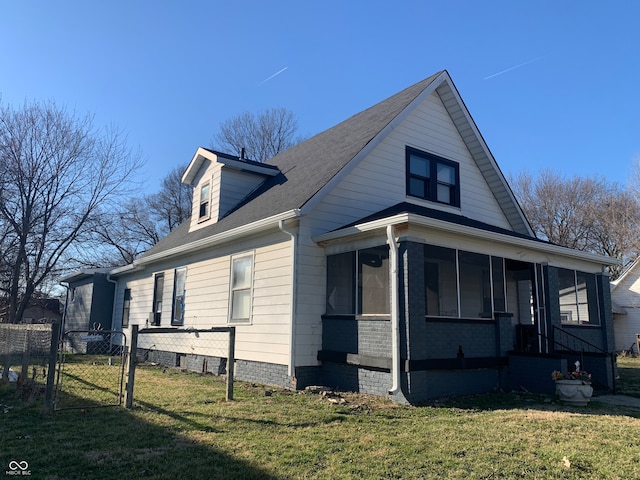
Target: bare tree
<point>172,204</point>
<point>57,174</point>
<point>138,223</point>
<point>262,135</point>
<point>586,213</point>
<point>120,236</point>
<point>615,222</point>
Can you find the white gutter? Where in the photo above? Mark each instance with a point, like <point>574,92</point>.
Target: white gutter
<point>124,269</point>
<point>468,231</point>
<point>262,224</point>
<point>113,311</point>
<point>395,316</point>
<point>66,304</point>
<point>292,332</point>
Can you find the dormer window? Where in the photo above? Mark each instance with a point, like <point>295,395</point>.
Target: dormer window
<point>205,198</point>
<point>432,178</point>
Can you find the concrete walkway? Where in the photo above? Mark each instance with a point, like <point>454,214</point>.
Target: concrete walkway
<point>620,400</point>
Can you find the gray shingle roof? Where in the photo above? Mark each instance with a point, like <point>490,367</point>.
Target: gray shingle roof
<point>305,169</point>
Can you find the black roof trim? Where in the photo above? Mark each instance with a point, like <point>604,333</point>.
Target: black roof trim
<point>406,207</point>
<point>238,159</point>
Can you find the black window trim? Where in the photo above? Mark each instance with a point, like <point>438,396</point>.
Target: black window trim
<point>157,296</point>
<point>433,180</point>
<point>178,297</point>
<point>126,307</point>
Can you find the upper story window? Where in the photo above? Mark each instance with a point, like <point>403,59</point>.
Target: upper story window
<point>432,178</point>
<point>205,197</point>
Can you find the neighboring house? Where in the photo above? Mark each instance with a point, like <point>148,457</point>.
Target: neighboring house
<point>385,255</point>
<point>625,298</point>
<point>89,301</point>
<point>40,310</point>
<point>89,307</point>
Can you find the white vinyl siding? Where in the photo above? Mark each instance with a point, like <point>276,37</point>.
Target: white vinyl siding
<point>626,295</point>
<point>234,187</point>
<point>207,300</point>
<point>379,180</point>
<point>228,187</point>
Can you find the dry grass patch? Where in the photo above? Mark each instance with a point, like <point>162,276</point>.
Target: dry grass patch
<point>182,428</point>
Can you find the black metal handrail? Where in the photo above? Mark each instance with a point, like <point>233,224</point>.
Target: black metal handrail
<point>580,347</point>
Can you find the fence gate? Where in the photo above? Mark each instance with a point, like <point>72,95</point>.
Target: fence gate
<point>91,366</point>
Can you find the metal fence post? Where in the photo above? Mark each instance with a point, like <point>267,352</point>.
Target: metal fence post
<point>26,357</point>
<point>131,367</point>
<point>51,371</point>
<point>231,362</point>
<point>7,355</point>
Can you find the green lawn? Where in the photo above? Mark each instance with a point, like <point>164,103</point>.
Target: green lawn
<point>181,428</point>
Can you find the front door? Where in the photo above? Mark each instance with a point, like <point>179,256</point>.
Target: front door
<point>524,300</point>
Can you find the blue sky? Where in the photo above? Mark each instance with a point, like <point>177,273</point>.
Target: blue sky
<point>550,84</point>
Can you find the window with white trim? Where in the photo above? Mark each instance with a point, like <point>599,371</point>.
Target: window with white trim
<point>205,201</point>
<point>241,289</point>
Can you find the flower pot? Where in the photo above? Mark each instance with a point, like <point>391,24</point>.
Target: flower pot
<point>574,392</point>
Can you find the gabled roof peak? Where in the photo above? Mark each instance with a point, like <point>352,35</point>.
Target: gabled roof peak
<point>203,154</point>
<point>303,174</point>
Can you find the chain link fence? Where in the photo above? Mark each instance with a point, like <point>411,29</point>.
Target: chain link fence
<point>91,369</point>
<point>207,351</point>
<point>25,352</point>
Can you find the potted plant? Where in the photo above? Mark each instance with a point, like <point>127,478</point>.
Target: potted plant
<point>573,388</point>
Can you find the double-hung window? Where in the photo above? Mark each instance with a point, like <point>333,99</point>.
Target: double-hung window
<point>241,289</point>
<point>158,287</point>
<point>432,178</point>
<point>179,284</point>
<point>205,196</point>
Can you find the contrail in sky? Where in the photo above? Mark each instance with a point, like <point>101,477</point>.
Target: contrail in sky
<point>274,75</point>
<point>511,68</point>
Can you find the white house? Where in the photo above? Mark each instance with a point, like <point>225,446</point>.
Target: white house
<point>386,255</point>
<point>625,298</point>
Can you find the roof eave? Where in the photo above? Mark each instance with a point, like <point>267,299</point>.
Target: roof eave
<point>221,237</point>
<point>419,220</point>
<point>203,154</point>
<point>374,142</point>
